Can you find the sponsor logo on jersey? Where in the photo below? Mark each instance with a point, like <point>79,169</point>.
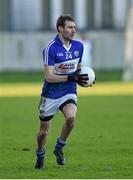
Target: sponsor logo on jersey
<point>67,66</point>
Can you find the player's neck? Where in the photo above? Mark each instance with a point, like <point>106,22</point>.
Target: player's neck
<point>66,42</point>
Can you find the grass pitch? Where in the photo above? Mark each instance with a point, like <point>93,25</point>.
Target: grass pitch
<point>100,145</point>
<point>17,77</point>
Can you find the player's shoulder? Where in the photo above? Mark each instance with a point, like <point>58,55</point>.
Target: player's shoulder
<point>77,43</point>
<point>50,47</point>
<point>51,44</point>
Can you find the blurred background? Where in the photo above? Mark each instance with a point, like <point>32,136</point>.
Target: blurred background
<point>26,27</point>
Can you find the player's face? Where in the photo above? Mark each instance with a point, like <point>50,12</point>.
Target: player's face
<point>69,30</point>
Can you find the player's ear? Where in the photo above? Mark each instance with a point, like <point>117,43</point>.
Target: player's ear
<point>60,28</point>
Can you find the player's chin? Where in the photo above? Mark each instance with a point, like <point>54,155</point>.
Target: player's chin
<point>72,36</point>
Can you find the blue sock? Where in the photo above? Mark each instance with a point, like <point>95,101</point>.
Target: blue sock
<point>40,154</point>
<point>60,144</point>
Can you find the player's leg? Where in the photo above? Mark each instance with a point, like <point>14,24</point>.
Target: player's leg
<point>43,133</point>
<point>69,111</point>
<point>41,141</point>
<point>47,108</point>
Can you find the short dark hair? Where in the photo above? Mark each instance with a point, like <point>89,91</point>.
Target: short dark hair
<point>62,19</point>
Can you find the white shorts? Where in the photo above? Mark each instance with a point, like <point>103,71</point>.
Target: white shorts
<point>49,107</point>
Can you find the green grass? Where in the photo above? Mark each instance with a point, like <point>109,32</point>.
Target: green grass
<point>16,77</point>
<point>110,75</point>
<point>100,146</point>
<point>5,77</point>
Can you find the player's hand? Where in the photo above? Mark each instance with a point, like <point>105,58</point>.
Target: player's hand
<point>81,79</point>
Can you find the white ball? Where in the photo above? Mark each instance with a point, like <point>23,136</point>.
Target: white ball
<point>91,74</point>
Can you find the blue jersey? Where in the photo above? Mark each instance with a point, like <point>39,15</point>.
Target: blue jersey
<point>65,61</point>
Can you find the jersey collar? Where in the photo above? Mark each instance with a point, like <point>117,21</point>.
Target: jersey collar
<point>58,41</point>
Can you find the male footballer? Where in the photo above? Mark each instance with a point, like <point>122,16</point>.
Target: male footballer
<point>62,62</point>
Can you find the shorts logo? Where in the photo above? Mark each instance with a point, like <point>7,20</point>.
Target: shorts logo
<point>42,102</point>
<point>76,53</point>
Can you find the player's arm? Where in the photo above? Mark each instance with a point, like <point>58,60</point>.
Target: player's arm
<point>73,77</point>
<point>51,77</point>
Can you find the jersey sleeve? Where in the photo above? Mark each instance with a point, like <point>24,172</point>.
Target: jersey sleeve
<point>49,56</point>
<point>81,52</point>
